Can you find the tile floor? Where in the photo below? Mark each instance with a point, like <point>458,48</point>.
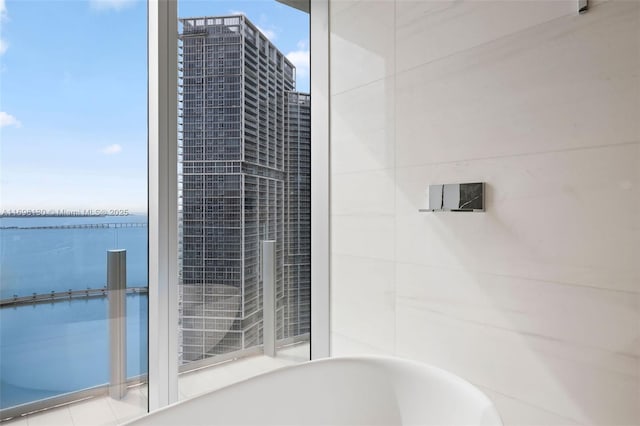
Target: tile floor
<point>104,411</point>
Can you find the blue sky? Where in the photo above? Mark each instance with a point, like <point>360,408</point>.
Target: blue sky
<point>73,96</point>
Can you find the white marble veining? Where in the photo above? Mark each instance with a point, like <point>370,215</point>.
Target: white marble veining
<point>577,382</point>
<point>362,44</point>
<point>363,236</point>
<point>366,193</point>
<point>362,129</point>
<point>556,86</point>
<point>514,411</point>
<point>540,219</point>
<point>363,300</point>
<point>536,300</point>
<point>339,6</point>
<point>555,311</point>
<point>429,30</point>
<point>343,345</point>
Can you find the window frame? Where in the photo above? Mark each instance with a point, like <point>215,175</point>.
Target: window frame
<point>163,194</point>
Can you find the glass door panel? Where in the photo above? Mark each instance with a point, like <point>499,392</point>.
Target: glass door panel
<point>244,179</point>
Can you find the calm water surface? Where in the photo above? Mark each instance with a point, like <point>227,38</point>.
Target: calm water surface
<point>53,348</point>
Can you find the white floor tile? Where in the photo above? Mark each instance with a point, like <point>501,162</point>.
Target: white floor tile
<point>105,411</point>
<point>16,421</point>
<point>54,417</point>
<point>219,376</point>
<point>134,404</point>
<point>94,412</point>
<point>201,381</point>
<point>295,354</point>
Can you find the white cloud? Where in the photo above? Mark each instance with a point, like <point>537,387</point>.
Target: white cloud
<point>116,5</point>
<point>3,10</point>
<point>300,58</point>
<point>112,149</point>
<point>3,17</point>
<point>237,12</point>
<point>270,34</point>
<point>8,120</point>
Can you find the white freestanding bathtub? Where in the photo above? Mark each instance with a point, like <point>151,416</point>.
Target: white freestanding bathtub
<point>338,391</point>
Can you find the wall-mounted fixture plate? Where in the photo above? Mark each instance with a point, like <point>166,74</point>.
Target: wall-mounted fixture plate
<point>583,6</point>
<point>456,197</point>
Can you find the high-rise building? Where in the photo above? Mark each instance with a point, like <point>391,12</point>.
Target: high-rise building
<point>242,132</point>
<point>297,214</point>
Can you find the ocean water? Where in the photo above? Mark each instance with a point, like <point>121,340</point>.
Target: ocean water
<point>48,349</point>
<point>43,260</point>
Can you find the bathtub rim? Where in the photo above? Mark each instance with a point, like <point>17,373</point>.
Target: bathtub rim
<point>366,358</point>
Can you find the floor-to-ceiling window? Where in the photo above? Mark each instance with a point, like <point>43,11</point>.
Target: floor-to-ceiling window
<point>244,179</point>
<point>73,186</point>
<point>104,64</point>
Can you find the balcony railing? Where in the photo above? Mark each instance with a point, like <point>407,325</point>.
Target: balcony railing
<point>64,295</point>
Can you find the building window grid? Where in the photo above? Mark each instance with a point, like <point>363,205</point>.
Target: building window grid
<point>212,68</point>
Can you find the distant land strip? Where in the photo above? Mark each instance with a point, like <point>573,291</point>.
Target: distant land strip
<point>83,226</point>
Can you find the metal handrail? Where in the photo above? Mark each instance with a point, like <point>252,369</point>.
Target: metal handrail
<point>103,389</point>
<point>44,404</point>
<point>57,296</point>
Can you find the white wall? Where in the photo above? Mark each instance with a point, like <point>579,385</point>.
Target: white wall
<point>537,300</point>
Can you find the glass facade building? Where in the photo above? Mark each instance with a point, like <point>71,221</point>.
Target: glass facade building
<point>297,219</point>
<point>244,178</point>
